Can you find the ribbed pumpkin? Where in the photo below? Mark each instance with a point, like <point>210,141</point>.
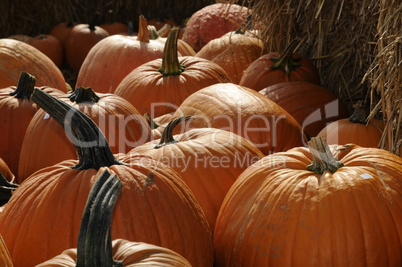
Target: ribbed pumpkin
<point>234,52</point>
<point>212,22</point>
<point>155,206</point>
<point>161,85</point>
<point>333,206</point>
<point>312,105</point>
<point>356,129</point>
<point>45,143</point>
<point>115,57</point>
<point>242,111</point>
<point>17,57</point>
<point>209,161</point>
<point>95,246</point>
<point>5,257</point>
<point>16,112</point>
<point>276,67</point>
<point>50,46</point>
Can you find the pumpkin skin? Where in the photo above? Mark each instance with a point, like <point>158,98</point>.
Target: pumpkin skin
<point>5,258</point>
<point>61,31</point>
<point>212,22</point>
<point>128,52</point>
<point>280,214</point>
<point>129,253</point>
<point>312,105</point>
<point>234,52</point>
<point>17,56</point>
<point>242,111</point>
<point>45,142</point>
<point>165,212</point>
<point>208,160</point>
<point>163,84</point>
<point>50,46</point>
<point>261,72</point>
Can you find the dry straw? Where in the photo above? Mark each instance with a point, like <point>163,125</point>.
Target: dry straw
<point>357,46</point>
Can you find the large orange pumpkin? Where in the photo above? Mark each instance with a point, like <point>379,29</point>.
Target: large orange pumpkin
<point>335,206</point>
<point>17,57</point>
<point>115,57</point>
<point>161,85</point>
<point>209,161</point>
<point>45,143</point>
<point>242,111</point>
<point>155,206</point>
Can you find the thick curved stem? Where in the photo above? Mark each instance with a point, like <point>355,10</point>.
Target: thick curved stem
<point>92,148</point>
<point>170,58</point>
<point>94,240</point>
<point>323,160</point>
<point>84,94</point>
<point>167,135</point>
<point>25,87</point>
<point>6,190</point>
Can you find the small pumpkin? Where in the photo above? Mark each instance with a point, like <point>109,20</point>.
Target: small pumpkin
<point>50,46</point>
<point>61,31</point>
<point>276,67</point>
<point>317,206</point>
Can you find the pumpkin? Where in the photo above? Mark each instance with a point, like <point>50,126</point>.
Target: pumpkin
<point>95,246</point>
<point>242,111</point>
<point>80,40</point>
<point>276,67</point>
<point>126,52</point>
<point>45,143</point>
<point>313,106</point>
<point>5,258</point>
<point>159,86</point>
<point>209,161</point>
<point>61,31</point>
<point>16,112</point>
<point>318,206</point>
<point>356,129</point>
<point>50,46</point>
<point>17,57</point>
<point>213,21</point>
<point>112,26</point>
<point>155,206</point>
<point>234,52</point>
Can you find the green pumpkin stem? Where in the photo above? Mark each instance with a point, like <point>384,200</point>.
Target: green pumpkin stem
<point>323,159</point>
<point>143,31</point>
<point>6,189</point>
<point>286,62</point>
<point>25,87</point>
<point>94,246</point>
<point>170,58</point>
<point>91,144</point>
<point>167,134</point>
<point>84,94</point>
<point>153,33</point>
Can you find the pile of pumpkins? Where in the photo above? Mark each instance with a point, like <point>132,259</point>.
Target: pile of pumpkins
<point>195,149</point>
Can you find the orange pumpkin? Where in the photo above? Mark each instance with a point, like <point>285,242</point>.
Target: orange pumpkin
<point>17,57</point>
<point>161,85</point>
<point>126,53</point>
<point>333,206</point>
<point>312,105</point>
<point>61,31</point>
<point>234,52</point>
<point>112,26</point>
<point>209,161</point>
<point>355,129</point>
<point>50,46</point>
<point>276,67</point>
<point>45,143</point>
<point>16,112</point>
<point>5,258</point>
<point>242,111</point>
<point>155,206</point>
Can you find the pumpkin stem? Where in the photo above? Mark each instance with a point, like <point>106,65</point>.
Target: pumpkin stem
<point>286,62</point>
<point>359,114</point>
<point>94,246</point>
<point>25,87</point>
<point>143,31</point>
<point>153,33</point>
<point>94,21</point>
<point>170,58</point>
<point>6,189</point>
<point>84,94</point>
<point>91,145</point>
<point>167,134</point>
<point>323,159</point>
